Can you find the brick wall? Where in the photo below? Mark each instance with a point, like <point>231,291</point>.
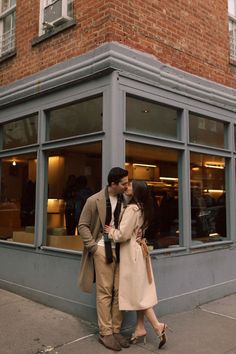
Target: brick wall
<point>191,35</point>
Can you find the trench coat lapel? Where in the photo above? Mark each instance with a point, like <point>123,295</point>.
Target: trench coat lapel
<point>101,205</point>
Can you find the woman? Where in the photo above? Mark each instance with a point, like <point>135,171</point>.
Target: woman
<point>137,289</point>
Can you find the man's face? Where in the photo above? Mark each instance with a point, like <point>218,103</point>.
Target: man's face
<point>121,186</point>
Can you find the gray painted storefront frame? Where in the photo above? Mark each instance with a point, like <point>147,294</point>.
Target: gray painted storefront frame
<point>186,276</point>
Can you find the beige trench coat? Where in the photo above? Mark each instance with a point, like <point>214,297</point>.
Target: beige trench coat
<point>135,291</point>
<point>91,224</point>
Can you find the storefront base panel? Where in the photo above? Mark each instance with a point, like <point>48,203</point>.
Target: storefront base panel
<point>183,282</point>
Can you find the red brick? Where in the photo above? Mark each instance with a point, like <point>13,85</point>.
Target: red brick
<point>192,36</point>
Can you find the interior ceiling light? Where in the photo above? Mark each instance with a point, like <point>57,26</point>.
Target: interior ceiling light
<point>169,178</point>
<point>143,165</point>
<point>213,190</point>
<point>219,165</point>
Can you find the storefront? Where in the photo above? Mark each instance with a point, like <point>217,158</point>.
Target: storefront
<point>63,129</point>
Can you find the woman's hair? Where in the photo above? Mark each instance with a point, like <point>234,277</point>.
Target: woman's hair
<point>142,197</point>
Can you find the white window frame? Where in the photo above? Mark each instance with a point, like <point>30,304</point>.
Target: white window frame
<point>44,27</point>
<point>232,29</point>
<point>9,36</point>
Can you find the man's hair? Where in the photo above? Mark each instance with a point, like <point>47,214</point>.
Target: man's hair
<point>116,174</point>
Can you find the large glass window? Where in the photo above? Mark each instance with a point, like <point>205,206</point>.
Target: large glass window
<point>147,117</point>
<point>206,131</point>
<point>158,166</point>
<point>17,203</point>
<point>20,132</point>
<point>208,204</point>
<point>74,174</point>
<point>80,118</point>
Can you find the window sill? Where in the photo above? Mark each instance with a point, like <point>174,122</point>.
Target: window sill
<point>8,55</point>
<point>53,32</point>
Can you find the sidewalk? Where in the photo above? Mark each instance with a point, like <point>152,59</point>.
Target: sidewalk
<point>27,327</point>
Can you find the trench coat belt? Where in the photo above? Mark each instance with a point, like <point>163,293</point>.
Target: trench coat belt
<point>144,247</point>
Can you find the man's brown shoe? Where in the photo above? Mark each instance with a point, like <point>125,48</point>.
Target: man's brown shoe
<point>109,342</point>
<point>124,343</point>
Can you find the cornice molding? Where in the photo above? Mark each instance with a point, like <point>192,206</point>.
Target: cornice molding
<point>130,63</point>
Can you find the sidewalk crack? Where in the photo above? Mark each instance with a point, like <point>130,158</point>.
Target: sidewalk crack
<point>217,313</point>
<point>49,348</point>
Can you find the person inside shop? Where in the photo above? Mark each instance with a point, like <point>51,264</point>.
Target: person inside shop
<point>100,260</point>
<point>137,290</point>
<point>69,197</point>
<point>27,213</point>
<point>82,193</point>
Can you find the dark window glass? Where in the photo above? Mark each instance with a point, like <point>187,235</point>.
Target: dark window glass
<point>74,174</point>
<point>17,204</point>
<point>208,205</point>
<point>159,168</point>
<point>146,117</point>
<point>75,119</point>
<point>20,132</point>
<point>206,131</point>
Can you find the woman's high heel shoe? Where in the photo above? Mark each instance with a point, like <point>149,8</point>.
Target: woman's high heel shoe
<point>163,337</point>
<point>137,339</point>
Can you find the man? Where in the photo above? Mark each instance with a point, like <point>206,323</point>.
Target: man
<point>100,259</point>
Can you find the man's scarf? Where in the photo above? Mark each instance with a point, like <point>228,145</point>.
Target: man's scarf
<point>107,241</point>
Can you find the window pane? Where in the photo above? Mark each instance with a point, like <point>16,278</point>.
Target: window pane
<point>206,131</point>
<point>150,118</point>
<point>231,7</point>
<point>20,132</point>
<point>74,173</point>
<point>208,206</point>
<point>5,5</point>
<point>159,168</point>
<point>8,35</point>
<point>17,204</point>
<point>76,119</point>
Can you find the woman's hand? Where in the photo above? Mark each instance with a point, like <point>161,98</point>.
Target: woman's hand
<point>107,229</point>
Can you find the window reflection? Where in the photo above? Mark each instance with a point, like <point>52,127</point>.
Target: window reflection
<point>206,131</point>
<point>20,132</point>
<point>17,204</point>
<point>79,118</point>
<point>208,205</point>
<point>147,117</point>
<point>74,174</point>
<point>159,168</point>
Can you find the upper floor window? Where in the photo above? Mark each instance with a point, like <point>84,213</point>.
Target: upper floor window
<point>54,13</point>
<point>7,26</point>
<point>232,27</point>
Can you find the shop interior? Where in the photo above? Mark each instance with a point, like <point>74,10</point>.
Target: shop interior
<point>159,168</point>
<point>74,173</point>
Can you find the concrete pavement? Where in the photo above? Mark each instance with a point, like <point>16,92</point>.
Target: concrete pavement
<point>27,327</point>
